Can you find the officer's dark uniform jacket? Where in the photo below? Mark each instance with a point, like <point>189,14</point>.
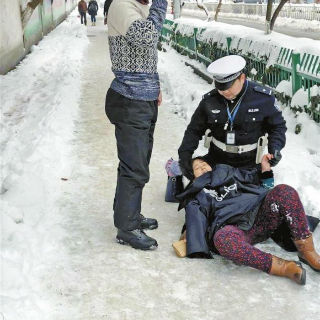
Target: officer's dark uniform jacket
<point>223,196</point>
<point>256,116</point>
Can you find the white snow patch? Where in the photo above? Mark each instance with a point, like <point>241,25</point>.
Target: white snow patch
<point>285,87</point>
<point>37,114</point>
<point>300,99</point>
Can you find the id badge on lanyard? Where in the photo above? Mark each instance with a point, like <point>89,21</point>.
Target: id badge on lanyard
<point>231,137</point>
<point>231,134</point>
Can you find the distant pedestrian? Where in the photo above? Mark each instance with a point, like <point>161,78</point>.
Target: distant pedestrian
<point>92,10</point>
<point>82,8</point>
<point>106,9</point>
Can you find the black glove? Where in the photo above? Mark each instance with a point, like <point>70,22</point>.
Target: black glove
<point>185,164</point>
<point>276,158</point>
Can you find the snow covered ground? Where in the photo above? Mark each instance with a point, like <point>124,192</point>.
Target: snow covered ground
<point>39,103</point>
<point>283,22</point>
<point>59,259</point>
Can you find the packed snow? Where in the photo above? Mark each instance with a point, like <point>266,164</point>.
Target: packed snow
<point>39,102</point>
<point>249,41</point>
<point>47,273</point>
<point>299,24</point>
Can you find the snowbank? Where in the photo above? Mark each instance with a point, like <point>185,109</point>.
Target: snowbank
<point>249,41</point>
<point>38,107</point>
<point>299,24</point>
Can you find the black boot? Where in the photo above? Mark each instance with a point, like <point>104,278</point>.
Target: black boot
<point>148,223</point>
<point>136,239</point>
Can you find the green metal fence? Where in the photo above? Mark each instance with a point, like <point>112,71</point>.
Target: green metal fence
<point>303,71</point>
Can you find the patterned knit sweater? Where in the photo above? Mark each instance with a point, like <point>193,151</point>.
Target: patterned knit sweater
<point>133,30</point>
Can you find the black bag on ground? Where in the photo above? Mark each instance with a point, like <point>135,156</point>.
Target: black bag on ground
<point>174,187</point>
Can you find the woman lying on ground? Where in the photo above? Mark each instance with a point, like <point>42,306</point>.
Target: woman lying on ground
<point>228,210</point>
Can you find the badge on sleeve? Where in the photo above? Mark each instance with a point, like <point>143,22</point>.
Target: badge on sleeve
<point>231,137</point>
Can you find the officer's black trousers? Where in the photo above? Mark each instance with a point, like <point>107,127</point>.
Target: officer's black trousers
<point>134,122</point>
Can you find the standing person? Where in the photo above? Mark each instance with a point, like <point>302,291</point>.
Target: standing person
<point>132,106</point>
<point>238,112</point>
<point>82,8</point>
<point>106,6</point>
<point>92,10</point>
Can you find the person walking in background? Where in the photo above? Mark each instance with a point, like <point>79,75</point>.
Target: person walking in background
<point>107,4</point>
<point>82,8</point>
<point>132,106</point>
<point>92,10</point>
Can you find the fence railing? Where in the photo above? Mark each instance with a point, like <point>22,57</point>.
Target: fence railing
<point>301,70</point>
<point>294,11</point>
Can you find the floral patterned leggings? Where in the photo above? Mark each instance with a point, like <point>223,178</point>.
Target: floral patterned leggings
<point>281,203</point>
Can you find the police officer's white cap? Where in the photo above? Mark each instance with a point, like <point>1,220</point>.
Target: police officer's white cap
<point>225,70</point>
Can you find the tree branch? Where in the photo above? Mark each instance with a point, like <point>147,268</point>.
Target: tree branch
<point>217,10</point>
<point>268,16</point>
<point>276,13</point>
<point>201,5</point>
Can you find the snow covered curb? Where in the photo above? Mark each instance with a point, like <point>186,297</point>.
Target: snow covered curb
<point>39,104</point>
<point>300,24</point>
<point>250,41</point>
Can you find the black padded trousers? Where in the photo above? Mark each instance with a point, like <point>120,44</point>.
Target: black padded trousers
<point>134,122</point>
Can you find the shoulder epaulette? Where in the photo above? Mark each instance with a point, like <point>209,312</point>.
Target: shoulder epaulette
<point>264,90</point>
<point>209,94</point>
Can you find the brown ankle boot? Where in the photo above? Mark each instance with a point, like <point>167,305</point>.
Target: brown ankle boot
<point>290,269</point>
<point>307,253</point>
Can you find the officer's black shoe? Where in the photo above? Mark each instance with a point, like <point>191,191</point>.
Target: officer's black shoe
<point>136,239</point>
<point>148,223</point>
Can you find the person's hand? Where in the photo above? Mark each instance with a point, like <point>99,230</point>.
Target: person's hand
<point>200,167</point>
<point>265,162</point>
<point>185,164</point>
<point>276,158</point>
<point>159,98</point>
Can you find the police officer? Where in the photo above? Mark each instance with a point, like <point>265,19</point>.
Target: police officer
<point>238,112</point>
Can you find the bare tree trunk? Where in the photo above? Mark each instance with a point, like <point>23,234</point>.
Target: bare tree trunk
<point>203,7</point>
<point>276,13</point>
<point>27,12</point>
<point>217,10</point>
<point>268,17</point>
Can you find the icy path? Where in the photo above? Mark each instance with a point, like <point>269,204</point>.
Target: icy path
<point>103,280</point>
<point>88,276</point>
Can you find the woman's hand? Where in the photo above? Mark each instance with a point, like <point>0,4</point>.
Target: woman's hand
<point>265,164</point>
<point>200,167</point>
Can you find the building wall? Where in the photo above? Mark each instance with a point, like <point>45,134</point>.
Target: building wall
<point>59,10</point>
<point>11,35</point>
<point>15,42</point>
